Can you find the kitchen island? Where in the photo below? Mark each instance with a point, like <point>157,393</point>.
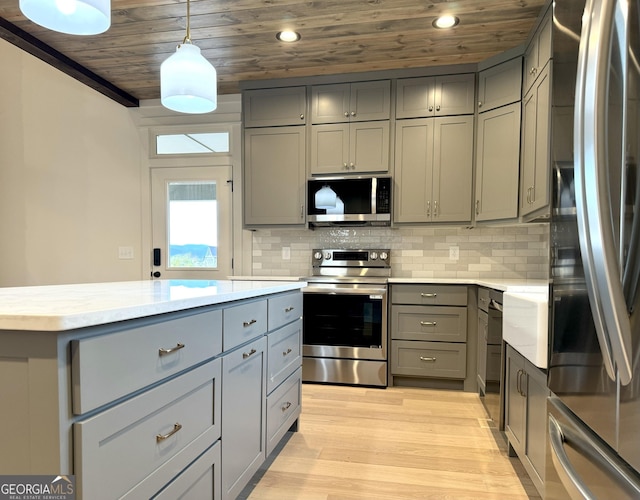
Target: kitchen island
<point>136,387</point>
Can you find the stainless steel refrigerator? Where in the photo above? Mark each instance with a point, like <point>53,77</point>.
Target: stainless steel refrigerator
<point>593,445</point>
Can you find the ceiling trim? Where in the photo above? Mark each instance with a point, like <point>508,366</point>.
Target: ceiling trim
<point>20,38</point>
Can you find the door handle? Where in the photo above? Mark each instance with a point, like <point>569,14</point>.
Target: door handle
<point>156,257</point>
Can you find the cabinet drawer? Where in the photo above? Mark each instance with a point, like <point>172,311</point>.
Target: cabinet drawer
<point>200,481</point>
<point>428,359</point>
<point>448,324</point>
<point>243,323</point>
<point>283,408</point>
<point>438,295</point>
<point>284,353</point>
<point>152,434</point>
<point>284,309</point>
<point>110,366</point>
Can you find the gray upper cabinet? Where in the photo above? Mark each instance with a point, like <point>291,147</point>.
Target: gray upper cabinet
<point>351,102</point>
<point>498,163</point>
<point>535,155</point>
<point>500,85</point>
<point>350,148</point>
<point>538,52</point>
<point>274,169</point>
<point>274,107</point>
<point>435,96</point>
<point>433,169</point>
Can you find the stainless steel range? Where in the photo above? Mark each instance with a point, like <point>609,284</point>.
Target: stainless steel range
<point>345,317</point>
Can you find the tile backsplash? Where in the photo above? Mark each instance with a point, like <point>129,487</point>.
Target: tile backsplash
<point>518,251</point>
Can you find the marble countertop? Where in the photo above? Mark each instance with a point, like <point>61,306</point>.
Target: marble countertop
<point>67,307</point>
<point>504,285</point>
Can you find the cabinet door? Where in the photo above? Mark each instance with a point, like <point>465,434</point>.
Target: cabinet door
<point>537,393</point>
<point>330,103</point>
<point>330,148</point>
<point>455,95</point>
<point>274,107</point>
<point>536,113</point>
<point>274,169</point>
<point>243,415</point>
<point>415,97</point>
<point>483,328</point>
<point>370,101</point>
<point>414,170</point>
<point>538,53</point>
<point>500,85</point>
<point>369,146</point>
<point>498,163</point>
<point>515,404</point>
<point>452,169</point>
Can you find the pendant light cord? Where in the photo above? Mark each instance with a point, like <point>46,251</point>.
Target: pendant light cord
<point>187,38</point>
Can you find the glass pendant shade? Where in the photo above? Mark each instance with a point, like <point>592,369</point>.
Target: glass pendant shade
<point>325,198</point>
<point>74,17</point>
<point>188,81</point>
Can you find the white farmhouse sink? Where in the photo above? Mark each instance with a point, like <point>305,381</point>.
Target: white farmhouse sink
<point>525,322</point>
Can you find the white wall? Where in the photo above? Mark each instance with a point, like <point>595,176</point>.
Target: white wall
<point>70,178</point>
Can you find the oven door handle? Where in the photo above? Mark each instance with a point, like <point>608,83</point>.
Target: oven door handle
<point>344,291</point>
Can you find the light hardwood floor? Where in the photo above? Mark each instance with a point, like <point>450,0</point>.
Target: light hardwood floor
<point>385,444</point>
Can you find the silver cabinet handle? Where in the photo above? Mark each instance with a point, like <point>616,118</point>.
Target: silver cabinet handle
<point>430,360</point>
<point>289,309</point>
<point>430,108</point>
<point>428,209</point>
<point>288,351</point>
<point>344,165</point>
<point>302,211</point>
<point>249,323</point>
<point>353,113</point>
<point>479,104</point>
<point>245,355</point>
<point>602,262</point>
<point>435,208</point>
<point>477,207</point>
<point>162,437</point>
<point>428,323</point>
<point>285,406</point>
<point>346,114</point>
<point>438,107</point>
<point>352,165</point>
<point>429,295</point>
<point>301,116</point>
<point>163,351</point>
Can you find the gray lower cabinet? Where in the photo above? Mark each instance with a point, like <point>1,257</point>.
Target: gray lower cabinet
<point>429,332</point>
<point>243,415</point>
<point>526,415</point>
<point>274,176</point>
<point>434,169</point>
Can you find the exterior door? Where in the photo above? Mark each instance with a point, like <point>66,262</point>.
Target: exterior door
<point>191,223</point>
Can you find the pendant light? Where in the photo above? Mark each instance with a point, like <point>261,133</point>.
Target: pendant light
<point>187,79</point>
<point>74,17</point>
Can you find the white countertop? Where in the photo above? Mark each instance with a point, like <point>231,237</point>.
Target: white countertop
<point>503,285</point>
<point>66,307</point>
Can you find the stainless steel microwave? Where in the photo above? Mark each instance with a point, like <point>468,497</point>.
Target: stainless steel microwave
<point>349,201</point>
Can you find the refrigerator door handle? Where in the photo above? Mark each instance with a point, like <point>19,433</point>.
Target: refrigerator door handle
<point>568,476</point>
<point>595,228</point>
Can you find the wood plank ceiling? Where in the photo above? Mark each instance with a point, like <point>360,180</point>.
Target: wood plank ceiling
<point>238,37</point>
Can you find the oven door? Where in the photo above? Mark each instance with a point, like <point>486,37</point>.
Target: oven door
<point>345,321</point>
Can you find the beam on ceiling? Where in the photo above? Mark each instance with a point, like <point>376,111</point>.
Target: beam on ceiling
<point>20,38</point>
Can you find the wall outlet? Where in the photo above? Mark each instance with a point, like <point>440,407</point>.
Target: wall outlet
<point>454,253</point>
<point>125,253</point>
<point>286,253</point>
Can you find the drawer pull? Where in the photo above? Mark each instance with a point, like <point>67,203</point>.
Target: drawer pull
<point>284,353</point>
<point>162,437</point>
<point>286,406</point>
<point>163,351</point>
<point>430,360</point>
<point>245,355</point>
<point>289,309</point>
<point>428,323</point>
<point>249,323</point>
<point>429,295</point>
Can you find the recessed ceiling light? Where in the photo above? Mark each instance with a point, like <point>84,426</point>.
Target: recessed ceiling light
<point>444,22</point>
<point>288,36</point>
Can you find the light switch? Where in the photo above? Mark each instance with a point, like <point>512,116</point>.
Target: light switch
<point>125,253</point>
<point>286,253</point>
<point>454,253</point>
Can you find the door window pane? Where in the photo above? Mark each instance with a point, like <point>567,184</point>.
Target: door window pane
<point>193,225</point>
